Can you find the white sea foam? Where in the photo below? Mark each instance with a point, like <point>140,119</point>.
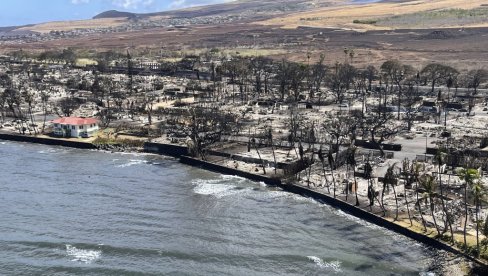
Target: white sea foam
<point>132,162</point>
<point>334,265</point>
<point>233,178</point>
<point>271,195</point>
<point>228,177</point>
<point>301,198</point>
<point>47,151</point>
<point>82,255</point>
<point>219,190</point>
<point>222,179</point>
<point>136,153</point>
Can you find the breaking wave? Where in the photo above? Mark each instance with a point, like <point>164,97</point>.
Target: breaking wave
<point>132,162</point>
<point>82,255</point>
<point>334,265</point>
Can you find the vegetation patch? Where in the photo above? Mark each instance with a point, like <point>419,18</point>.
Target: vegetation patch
<point>85,62</point>
<point>365,21</point>
<point>438,18</point>
<point>103,141</point>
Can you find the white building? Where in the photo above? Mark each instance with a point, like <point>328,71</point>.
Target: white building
<point>75,127</point>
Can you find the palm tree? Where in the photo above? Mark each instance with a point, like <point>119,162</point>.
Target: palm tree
<point>322,160</point>
<point>428,184</point>
<point>44,99</point>
<point>351,160</point>
<point>416,171</point>
<point>408,177</point>
<point>478,192</point>
<point>368,173</point>
<point>440,156</point>
<point>390,179</point>
<point>469,176</point>
<point>330,160</point>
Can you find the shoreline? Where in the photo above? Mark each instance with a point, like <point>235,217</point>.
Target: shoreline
<point>179,153</point>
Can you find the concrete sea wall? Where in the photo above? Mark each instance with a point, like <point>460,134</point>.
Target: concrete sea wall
<point>165,149</point>
<point>46,141</point>
<point>230,171</point>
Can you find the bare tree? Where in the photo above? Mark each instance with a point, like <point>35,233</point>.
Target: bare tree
<point>476,78</point>
<point>371,75</point>
<point>340,79</point>
<point>66,106</point>
<point>316,76</point>
<point>282,77</point>
<point>437,73</point>
<point>297,74</point>
<point>204,127</point>
<point>258,67</point>
<point>395,73</point>
<point>380,127</point>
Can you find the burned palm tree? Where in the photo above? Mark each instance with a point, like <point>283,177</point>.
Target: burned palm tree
<point>390,180</point>
<point>330,160</point>
<point>469,176</point>
<point>429,186</point>
<point>440,157</point>
<point>479,193</point>
<point>322,161</point>
<point>368,174</point>
<point>407,173</point>
<point>351,161</point>
<point>255,144</point>
<point>416,172</point>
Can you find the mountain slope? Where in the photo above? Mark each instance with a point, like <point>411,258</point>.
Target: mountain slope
<point>114,14</point>
<point>236,7</point>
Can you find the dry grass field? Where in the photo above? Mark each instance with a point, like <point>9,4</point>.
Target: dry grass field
<point>342,16</point>
<point>76,24</point>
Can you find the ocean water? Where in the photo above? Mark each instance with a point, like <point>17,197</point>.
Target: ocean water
<point>74,212</point>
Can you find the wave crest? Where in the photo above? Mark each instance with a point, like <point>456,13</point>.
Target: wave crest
<point>334,265</point>
<point>82,255</point>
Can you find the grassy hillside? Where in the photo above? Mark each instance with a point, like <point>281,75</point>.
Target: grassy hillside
<point>390,14</point>
<point>438,18</point>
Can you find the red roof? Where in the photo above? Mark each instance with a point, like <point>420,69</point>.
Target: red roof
<point>76,121</point>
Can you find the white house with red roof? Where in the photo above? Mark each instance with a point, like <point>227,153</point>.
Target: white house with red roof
<point>75,127</point>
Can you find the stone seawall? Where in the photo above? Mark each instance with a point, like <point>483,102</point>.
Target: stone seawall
<point>165,149</point>
<point>46,141</point>
<point>230,171</point>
